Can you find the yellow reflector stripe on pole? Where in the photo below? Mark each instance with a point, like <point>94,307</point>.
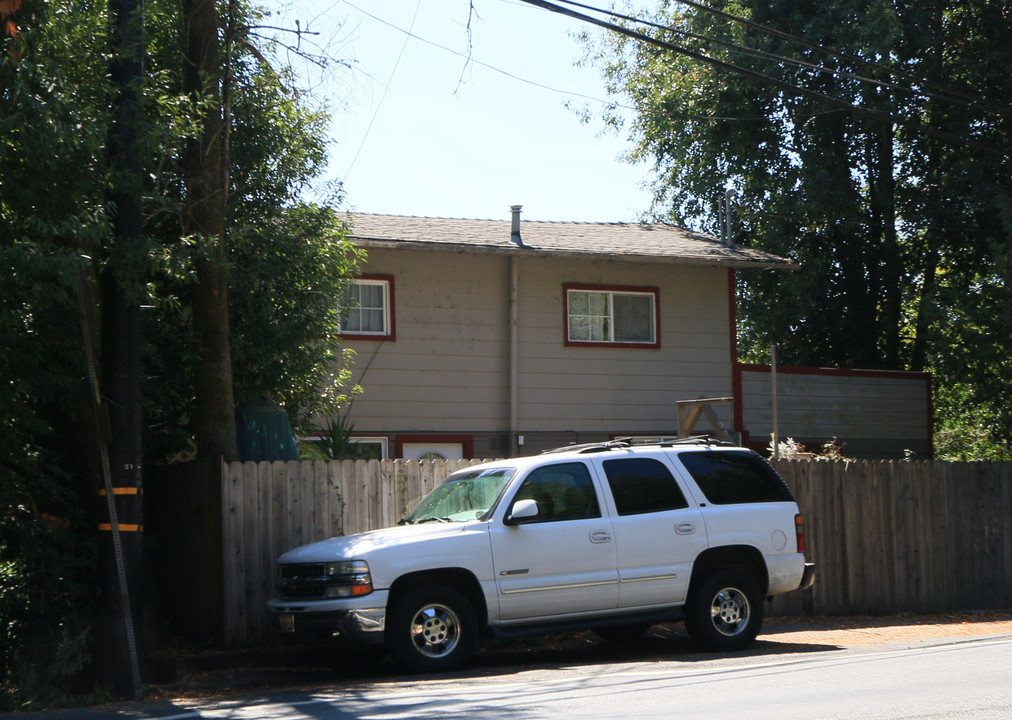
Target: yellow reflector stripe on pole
<point>123,527</point>
<point>121,491</point>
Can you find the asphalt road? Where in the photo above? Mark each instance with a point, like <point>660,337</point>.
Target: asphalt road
<point>936,678</point>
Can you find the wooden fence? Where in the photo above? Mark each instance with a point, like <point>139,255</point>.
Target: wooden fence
<point>887,536</point>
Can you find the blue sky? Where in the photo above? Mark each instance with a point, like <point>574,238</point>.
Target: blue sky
<point>417,130</point>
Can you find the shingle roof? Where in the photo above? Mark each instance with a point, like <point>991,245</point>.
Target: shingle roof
<point>619,241</point>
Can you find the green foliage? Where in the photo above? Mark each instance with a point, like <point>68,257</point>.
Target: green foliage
<point>968,428</point>
<point>53,111</point>
<point>902,237</point>
<point>289,261</point>
<point>334,443</point>
<point>286,283</point>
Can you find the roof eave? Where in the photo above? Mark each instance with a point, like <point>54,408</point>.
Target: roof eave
<point>721,260</point>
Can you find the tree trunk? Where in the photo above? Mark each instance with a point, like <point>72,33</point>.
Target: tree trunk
<point>891,291</point>
<point>204,216</point>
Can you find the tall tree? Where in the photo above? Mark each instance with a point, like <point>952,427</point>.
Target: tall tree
<point>881,167</point>
<point>204,218</point>
<point>291,262</point>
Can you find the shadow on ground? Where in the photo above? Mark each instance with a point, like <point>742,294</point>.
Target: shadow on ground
<point>220,672</point>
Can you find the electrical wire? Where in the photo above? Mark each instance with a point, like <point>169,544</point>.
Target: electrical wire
<point>386,91</point>
<point>966,101</point>
<point>781,84</point>
<point>468,58</point>
<point>967,97</point>
<point>560,91</point>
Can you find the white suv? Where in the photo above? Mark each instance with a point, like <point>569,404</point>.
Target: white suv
<point>612,536</point>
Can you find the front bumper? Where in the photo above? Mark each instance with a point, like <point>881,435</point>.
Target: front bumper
<point>359,626</point>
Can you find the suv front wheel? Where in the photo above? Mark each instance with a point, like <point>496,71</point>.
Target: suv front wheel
<point>725,612</point>
<point>431,628</point>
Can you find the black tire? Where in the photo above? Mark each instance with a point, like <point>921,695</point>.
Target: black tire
<point>431,628</point>
<point>622,634</point>
<point>725,611</point>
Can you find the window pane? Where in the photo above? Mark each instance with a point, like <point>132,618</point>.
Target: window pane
<point>370,320</point>
<point>370,296</point>
<point>588,316</point>
<point>563,492</point>
<point>642,485</point>
<point>728,478</point>
<point>366,308</point>
<point>634,318</point>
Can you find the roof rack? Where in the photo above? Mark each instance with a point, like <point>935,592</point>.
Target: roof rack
<point>628,442</point>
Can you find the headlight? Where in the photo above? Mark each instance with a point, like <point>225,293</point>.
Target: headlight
<point>349,578</point>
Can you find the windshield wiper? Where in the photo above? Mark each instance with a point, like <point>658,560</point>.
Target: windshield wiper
<point>434,519</point>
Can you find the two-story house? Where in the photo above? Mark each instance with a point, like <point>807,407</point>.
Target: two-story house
<point>481,338</point>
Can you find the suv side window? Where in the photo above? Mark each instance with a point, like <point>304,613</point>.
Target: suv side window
<point>729,478</point>
<point>642,485</point>
<point>563,492</point>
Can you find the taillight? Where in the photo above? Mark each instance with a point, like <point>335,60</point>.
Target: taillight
<point>799,532</point>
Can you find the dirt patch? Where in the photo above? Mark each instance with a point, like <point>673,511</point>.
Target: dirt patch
<point>863,631</point>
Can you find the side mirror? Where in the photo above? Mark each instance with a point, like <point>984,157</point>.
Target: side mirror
<point>523,510</point>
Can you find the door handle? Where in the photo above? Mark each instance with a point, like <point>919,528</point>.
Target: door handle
<point>685,528</point>
<point>600,536</point>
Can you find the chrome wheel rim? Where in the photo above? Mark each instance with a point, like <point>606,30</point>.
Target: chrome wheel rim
<point>435,630</point>
<point>730,611</point>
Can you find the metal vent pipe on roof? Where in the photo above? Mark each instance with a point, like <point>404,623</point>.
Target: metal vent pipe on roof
<point>515,226</point>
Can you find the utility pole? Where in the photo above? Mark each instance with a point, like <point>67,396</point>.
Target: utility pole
<point>121,524</point>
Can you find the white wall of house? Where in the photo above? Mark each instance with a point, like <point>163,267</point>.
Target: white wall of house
<point>448,369</point>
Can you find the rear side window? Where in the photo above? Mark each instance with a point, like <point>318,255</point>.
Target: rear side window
<point>642,485</point>
<point>729,478</point>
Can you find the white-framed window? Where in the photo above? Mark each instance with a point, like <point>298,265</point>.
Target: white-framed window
<point>597,315</point>
<point>367,447</point>
<point>373,448</point>
<point>368,307</point>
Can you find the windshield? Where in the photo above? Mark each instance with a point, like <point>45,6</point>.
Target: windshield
<point>467,495</point>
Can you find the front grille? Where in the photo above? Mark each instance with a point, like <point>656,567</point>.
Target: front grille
<point>306,571</point>
<point>302,582</point>
<point>302,593</point>
<point>319,581</point>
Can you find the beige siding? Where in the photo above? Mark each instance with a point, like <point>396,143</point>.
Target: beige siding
<point>632,390</point>
<point>448,370</point>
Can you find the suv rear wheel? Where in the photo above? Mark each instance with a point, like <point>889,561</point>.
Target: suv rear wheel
<point>725,612</point>
<point>431,628</point>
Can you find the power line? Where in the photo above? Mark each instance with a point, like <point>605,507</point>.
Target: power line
<point>568,93</point>
<point>386,91</point>
<point>971,98</point>
<point>470,59</point>
<point>783,85</point>
<point>966,100</point>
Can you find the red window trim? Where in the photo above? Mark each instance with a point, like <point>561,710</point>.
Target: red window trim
<point>566,287</point>
<point>390,336</point>
<point>466,442</point>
